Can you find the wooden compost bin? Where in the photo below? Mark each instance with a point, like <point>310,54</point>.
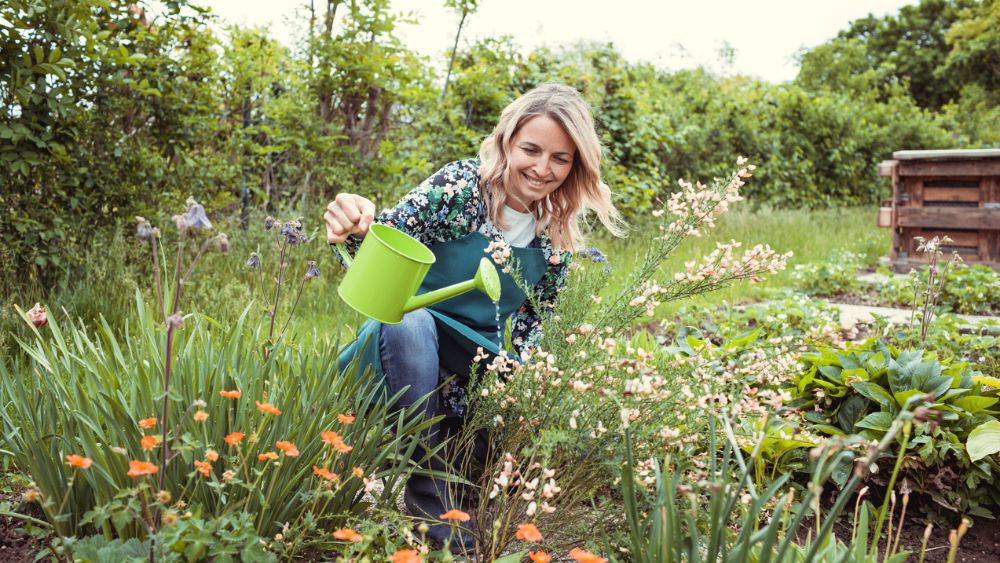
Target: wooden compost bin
<point>954,193</point>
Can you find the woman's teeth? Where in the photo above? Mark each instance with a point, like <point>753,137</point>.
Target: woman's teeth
<point>534,182</point>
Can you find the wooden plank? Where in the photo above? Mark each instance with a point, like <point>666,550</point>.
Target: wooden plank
<point>947,154</point>
<point>951,194</point>
<point>960,238</point>
<point>885,167</point>
<point>989,250</point>
<point>949,217</point>
<point>960,168</point>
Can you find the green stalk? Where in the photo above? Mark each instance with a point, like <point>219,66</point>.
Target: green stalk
<point>907,427</point>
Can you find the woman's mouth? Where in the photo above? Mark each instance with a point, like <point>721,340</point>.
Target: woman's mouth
<point>534,182</point>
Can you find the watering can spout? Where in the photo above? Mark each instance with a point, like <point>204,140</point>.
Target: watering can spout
<point>487,280</point>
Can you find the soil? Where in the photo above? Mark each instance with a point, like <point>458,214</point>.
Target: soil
<point>981,543</point>
<point>16,545</point>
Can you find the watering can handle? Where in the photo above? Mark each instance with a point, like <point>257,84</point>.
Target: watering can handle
<point>340,249</point>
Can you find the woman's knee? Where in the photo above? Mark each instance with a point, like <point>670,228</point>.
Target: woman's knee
<point>417,331</point>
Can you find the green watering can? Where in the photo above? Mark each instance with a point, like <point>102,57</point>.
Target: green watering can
<point>382,280</point>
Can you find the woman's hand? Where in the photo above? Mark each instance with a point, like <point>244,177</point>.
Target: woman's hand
<point>348,214</point>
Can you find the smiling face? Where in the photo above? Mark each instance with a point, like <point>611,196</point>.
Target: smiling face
<point>541,157</point>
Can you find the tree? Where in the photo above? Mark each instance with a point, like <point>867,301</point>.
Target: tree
<point>463,8</point>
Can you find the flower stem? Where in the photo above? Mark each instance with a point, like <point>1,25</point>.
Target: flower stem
<point>277,289</point>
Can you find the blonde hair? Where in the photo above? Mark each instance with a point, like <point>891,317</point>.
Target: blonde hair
<point>561,211</point>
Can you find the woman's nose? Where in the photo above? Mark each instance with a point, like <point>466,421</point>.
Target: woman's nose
<point>541,166</point>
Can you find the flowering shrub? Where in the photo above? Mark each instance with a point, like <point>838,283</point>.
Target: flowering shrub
<point>557,413</point>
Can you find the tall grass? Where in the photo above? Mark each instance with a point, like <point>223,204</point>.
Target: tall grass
<point>813,236</point>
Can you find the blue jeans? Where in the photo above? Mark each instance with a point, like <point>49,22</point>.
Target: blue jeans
<point>409,352</point>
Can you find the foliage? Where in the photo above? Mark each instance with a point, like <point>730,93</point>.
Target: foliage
<point>863,387</point>
<point>837,275</point>
<point>92,405</point>
<point>968,290</point>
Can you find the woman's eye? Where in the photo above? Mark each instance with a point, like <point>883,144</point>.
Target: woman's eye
<point>529,150</point>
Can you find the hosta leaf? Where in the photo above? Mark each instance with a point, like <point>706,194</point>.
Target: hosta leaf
<point>902,396</point>
<point>880,421</point>
<point>851,411</point>
<point>984,440</point>
<point>974,404</point>
<point>873,391</point>
<point>832,373</point>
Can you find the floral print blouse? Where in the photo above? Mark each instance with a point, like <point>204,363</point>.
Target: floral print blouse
<point>449,206</point>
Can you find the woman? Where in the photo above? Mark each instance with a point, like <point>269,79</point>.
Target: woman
<point>537,173</point>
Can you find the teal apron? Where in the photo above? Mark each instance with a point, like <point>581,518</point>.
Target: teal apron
<point>465,322</point>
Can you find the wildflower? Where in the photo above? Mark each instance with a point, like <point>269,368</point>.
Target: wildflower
<point>267,408</point>
<point>292,231</point>
<point>233,438</point>
<point>335,440</point>
<point>211,455</point>
<point>345,418</point>
<point>267,456</point>
<point>312,271</point>
<point>163,497</point>
<point>143,230</point>
<point>223,241</point>
<point>539,556</point>
<point>287,447</point>
<point>254,261</point>
<point>175,321</point>
<point>32,495</point>
<point>455,514</point>
<point>78,461</point>
<point>195,217</point>
<point>347,534</point>
<point>169,518</point>
<point>528,532</point>
<point>228,475</point>
<point>148,442</point>
<point>204,467</point>
<point>139,468</point>
<point>358,473</point>
<point>231,394</point>
<point>584,556</point>
<point>269,223</point>
<point>595,255</point>
<point>198,403</point>
<point>324,473</point>
<point>36,315</point>
<point>200,416</point>
<point>406,556</point>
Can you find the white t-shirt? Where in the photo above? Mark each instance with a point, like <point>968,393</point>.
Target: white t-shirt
<point>520,229</point>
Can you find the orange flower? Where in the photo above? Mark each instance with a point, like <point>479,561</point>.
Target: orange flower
<point>287,447</point>
<point>200,416</point>
<point>539,556</point>
<point>267,455</point>
<point>147,423</point>
<point>204,467</point>
<point>358,473</point>
<point>78,461</point>
<point>139,468</point>
<point>334,440</point>
<point>347,534</point>
<point>211,455</point>
<point>528,532</point>
<point>584,556</point>
<point>148,442</point>
<point>324,473</point>
<point>455,514</point>
<point>267,408</point>
<point>345,418</point>
<point>406,556</point>
<point>233,438</point>
<point>231,394</point>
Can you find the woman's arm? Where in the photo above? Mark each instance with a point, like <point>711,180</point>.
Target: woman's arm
<point>441,208</point>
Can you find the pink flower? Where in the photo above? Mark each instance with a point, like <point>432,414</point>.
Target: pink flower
<point>37,316</point>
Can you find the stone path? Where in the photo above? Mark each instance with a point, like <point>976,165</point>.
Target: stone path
<point>851,315</point>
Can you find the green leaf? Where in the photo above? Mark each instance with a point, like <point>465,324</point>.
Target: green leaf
<point>974,404</point>
<point>513,557</point>
<point>880,421</point>
<point>984,440</point>
<point>873,391</point>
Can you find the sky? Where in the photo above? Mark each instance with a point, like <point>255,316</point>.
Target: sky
<point>672,34</point>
